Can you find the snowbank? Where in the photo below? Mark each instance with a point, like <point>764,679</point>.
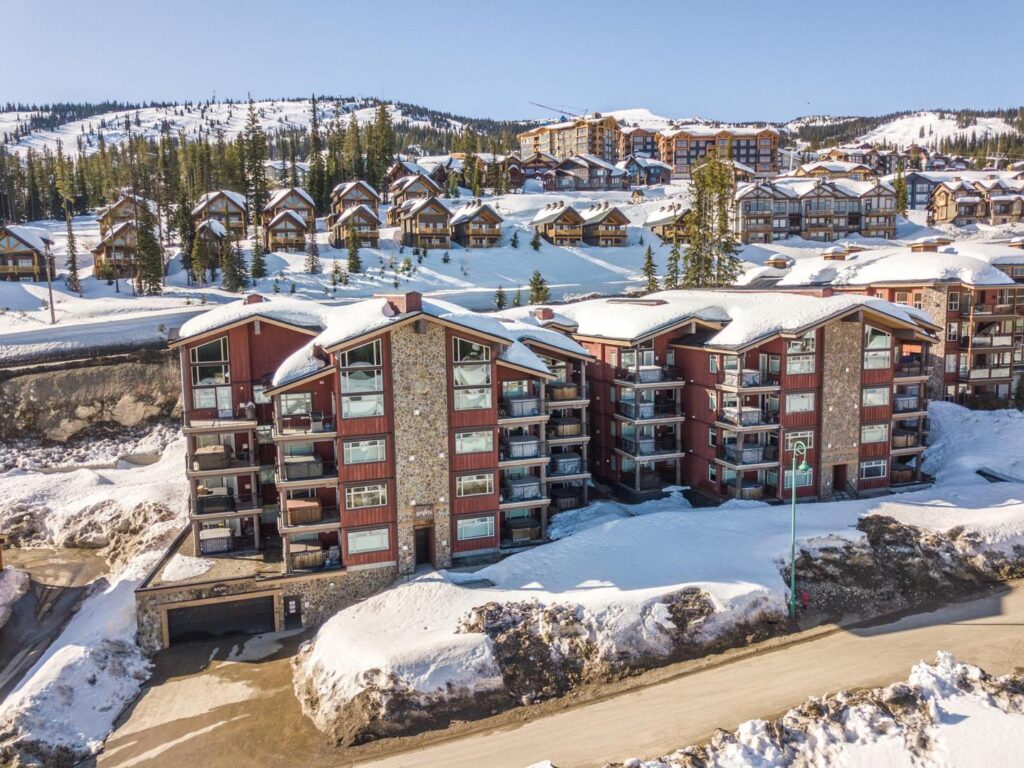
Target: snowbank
<point>948,714</point>
<point>963,441</point>
<point>13,584</point>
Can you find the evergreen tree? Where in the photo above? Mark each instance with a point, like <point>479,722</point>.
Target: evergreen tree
<point>182,221</point>
<point>352,153</point>
<point>899,184</point>
<point>671,280</point>
<point>312,253</point>
<point>649,272</point>
<point>538,288</point>
<point>355,264</point>
<point>451,188</point>
<point>535,240</point>
<point>499,298</point>
<point>514,242</point>
<point>710,257</point>
<point>149,255</point>
<point>65,186</point>
<point>255,158</point>
<point>316,179</point>
<point>336,273</point>
<point>293,163</point>
<point>258,262</point>
<point>231,267</point>
<point>198,260</point>
<point>381,146</point>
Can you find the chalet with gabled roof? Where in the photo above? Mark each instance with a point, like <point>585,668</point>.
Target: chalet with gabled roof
<point>559,224</point>
<point>585,172</point>
<point>669,222</point>
<point>352,194</point>
<point>645,171</point>
<point>287,231</point>
<point>225,206</point>
<point>25,253</point>
<point>124,209</point>
<point>604,225</point>
<point>476,225</point>
<point>536,165</point>
<point>119,249</point>
<point>360,219</point>
<point>415,187</point>
<point>290,199</point>
<point>425,223</point>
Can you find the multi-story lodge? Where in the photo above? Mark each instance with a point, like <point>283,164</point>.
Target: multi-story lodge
<point>360,219</point>
<point>835,169</point>
<point>972,291</point>
<point>536,165</point>
<point>638,142</point>
<point>125,208</point>
<point>921,184</point>
<point>224,206</point>
<point>587,135</point>
<point>559,224</point>
<point>583,172</point>
<point>25,253</point>
<point>286,231</point>
<point>425,223</point>
<point>604,225</point>
<point>687,146</point>
<point>331,449</point>
<point>645,171</point>
<point>476,225</point>
<point>991,200</point>
<point>669,222</point>
<point>814,209</point>
<point>714,389</point>
<point>880,161</point>
<point>119,249</point>
<point>294,199</point>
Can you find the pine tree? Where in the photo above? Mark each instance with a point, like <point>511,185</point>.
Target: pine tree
<point>182,221</point>
<point>150,268</point>
<point>293,163</point>
<point>649,272</point>
<point>535,240</point>
<point>312,252</point>
<point>710,257</point>
<point>517,300</point>
<point>355,264</point>
<point>671,280</point>
<point>198,260</point>
<point>352,152</point>
<point>499,298</point>
<point>316,179</point>
<point>255,158</point>
<point>258,262</point>
<point>538,288</point>
<point>336,273</point>
<point>232,270</point>
<point>514,242</point>
<point>899,184</point>
<point>65,186</point>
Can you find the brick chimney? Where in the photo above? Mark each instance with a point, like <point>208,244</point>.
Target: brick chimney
<point>254,298</point>
<point>544,313</point>
<point>412,301</point>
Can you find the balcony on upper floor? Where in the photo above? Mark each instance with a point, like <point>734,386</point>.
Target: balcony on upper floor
<point>652,376</point>
<point>749,379</point>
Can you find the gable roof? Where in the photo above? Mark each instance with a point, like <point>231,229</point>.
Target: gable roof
<point>416,206</point>
<point>404,183</point>
<point>282,194</point>
<point>296,313</point>
<point>236,198</point>
<point>346,187</point>
<point>554,211</point>
<point>600,211</point>
<point>471,210</point>
<point>361,209</point>
<point>288,214</point>
<point>33,237</point>
<point>212,226</point>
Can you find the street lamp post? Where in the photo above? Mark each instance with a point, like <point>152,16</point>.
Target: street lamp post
<point>799,451</point>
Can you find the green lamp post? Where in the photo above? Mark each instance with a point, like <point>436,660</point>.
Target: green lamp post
<point>799,451</point>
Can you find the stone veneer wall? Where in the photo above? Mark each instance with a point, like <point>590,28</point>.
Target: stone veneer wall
<point>419,366</point>
<point>934,302</point>
<point>840,401</point>
<point>322,595</point>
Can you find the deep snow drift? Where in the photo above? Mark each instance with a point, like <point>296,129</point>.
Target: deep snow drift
<point>946,715</point>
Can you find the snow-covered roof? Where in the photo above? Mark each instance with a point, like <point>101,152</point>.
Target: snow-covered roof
<point>412,207</point>
<point>539,316</point>
<point>282,194</point>
<point>151,204</point>
<point>800,186</point>
<point>748,317</point>
<point>598,212</point>
<point>551,212</point>
<point>407,181</point>
<point>470,210</point>
<point>215,227</point>
<point>305,314</point>
<point>897,265</point>
<point>348,213</point>
<point>833,166</point>
<point>644,162</point>
<point>34,237</point>
<point>288,213</point>
<point>344,188</point>
<point>236,197</point>
<point>665,214</point>
<point>699,129</point>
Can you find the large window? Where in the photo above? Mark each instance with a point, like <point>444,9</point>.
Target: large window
<point>474,442</point>
<point>295,403</point>
<point>874,396</point>
<point>870,470</point>
<point>363,496</point>
<point>365,451</point>
<point>874,433</point>
<point>362,381</point>
<point>801,402</point>
<point>799,364</point>
<point>877,349</point>
<point>474,527</point>
<point>804,344</point>
<point>372,540</point>
<point>210,363</point>
<point>803,479</point>
<point>471,375</point>
<point>804,436</point>
<point>474,485</point>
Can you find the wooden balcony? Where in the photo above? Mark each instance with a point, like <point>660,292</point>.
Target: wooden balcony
<point>316,426</point>
<point>564,427</point>
<point>306,470</point>
<point>747,490</point>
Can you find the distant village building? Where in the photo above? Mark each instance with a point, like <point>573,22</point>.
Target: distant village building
<point>294,199</point>
<point>835,169</point>
<point>126,208</point>
<point>25,253</point>
<point>588,135</point>
<point>644,171</point>
<point>287,231</point>
<point>476,225</point>
<point>225,206</point>
<point>559,224</point>
<point>687,146</point>
<point>361,219</point>
<point>281,170</point>
<point>583,172</point>
<point>604,225</point>
<point>990,200</point>
<point>425,223</point>
<point>414,187</point>
<point>638,142</point>
<point>669,222</point>
<point>118,249</point>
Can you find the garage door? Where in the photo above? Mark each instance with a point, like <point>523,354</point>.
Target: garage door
<point>246,617</point>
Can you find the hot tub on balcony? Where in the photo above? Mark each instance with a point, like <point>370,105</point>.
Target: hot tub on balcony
<point>521,447</point>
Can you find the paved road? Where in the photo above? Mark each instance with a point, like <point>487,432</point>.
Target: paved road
<point>204,709</point>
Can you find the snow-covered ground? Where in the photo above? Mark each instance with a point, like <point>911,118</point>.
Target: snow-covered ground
<point>619,574</point>
<point>69,699</point>
<point>946,715</point>
<point>936,126</point>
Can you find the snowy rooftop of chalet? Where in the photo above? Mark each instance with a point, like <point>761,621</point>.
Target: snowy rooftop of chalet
<point>282,194</point>
<point>33,237</point>
<point>306,314</point>
<point>236,197</point>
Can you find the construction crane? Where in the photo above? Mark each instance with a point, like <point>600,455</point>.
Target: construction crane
<point>561,112</point>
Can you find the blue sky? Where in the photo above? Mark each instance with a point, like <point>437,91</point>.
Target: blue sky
<point>737,60</point>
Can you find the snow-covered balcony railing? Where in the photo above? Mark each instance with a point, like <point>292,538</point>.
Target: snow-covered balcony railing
<point>305,423</point>
<point>749,453</point>
<point>519,407</point>
<point>649,374</point>
<point>516,447</point>
<point>222,501</point>
<point>639,411</point>
<point>564,464</point>
<point>647,446</point>
<point>564,427</point>
<point>307,468</point>
<point>748,417</point>
<point>520,489</point>
<point>749,378</point>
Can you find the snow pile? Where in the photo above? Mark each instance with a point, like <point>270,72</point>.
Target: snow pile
<point>66,705</point>
<point>948,714</point>
<point>181,567</point>
<point>574,521</point>
<point>963,441</point>
<point>13,584</point>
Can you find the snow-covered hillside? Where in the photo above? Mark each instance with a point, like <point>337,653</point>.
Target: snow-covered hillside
<point>196,120</point>
<point>936,126</point>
